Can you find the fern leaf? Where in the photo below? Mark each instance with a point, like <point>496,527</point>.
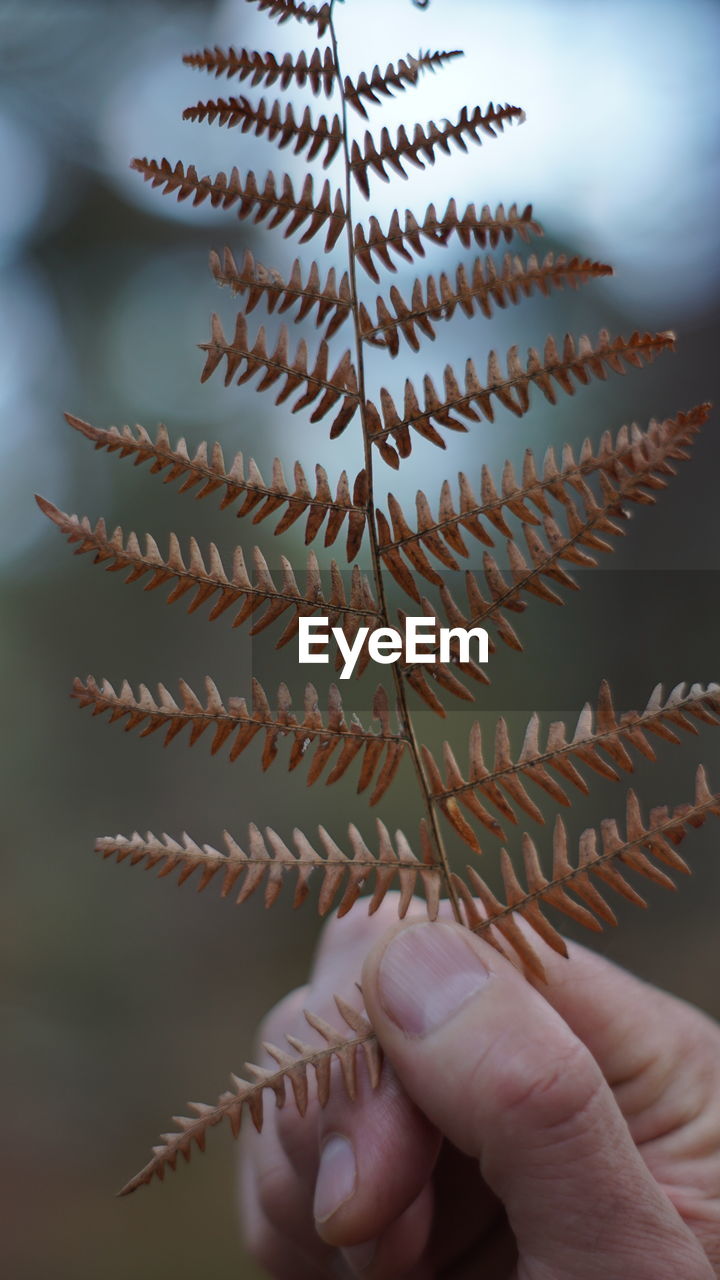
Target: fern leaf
<point>263,602</point>
<point>264,68</point>
<point>586,528</point>
<point>482,288</point>
<point>567,518</point>
<point>283,10</point>
<point>280,125</point>
<point>237,725</point>
<point>421,148</point>
<point>640,849</point>
<point>647,456</point>
<point>279,205</point>
<point>292,1070</point>
<point>206,472</point>
<point>396,78</point>
<point>600,742</point>
<point>483,228</point>
<point>474,400</point>
<point>243,361</point>
<point>259,282</point>
<point>270,862</point>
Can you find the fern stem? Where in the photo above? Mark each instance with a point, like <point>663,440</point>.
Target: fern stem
<point>408,728</point>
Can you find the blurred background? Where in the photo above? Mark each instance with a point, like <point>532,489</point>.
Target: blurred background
<point>125,996</point>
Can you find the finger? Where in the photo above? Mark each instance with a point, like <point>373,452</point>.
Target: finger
<point>661,1058</point>
<point>283,1202</point>
<point>656,1052</point>
<point>398,1250</point>
<point>499,1072</point>
<point>378,1152</point>
<point>391,1147</point>
<point>270,1248</point>
<point>377,1155</point>
<point>336,969</point>
<point>275,1204</point>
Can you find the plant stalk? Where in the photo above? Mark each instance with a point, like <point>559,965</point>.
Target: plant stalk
<point>403,709</point>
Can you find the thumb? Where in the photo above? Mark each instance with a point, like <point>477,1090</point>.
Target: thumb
<point>501,1075</point>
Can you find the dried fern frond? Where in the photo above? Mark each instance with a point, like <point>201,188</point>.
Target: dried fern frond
<point>292,1070</point>
<point>484,287</point>
<point>205,472</point>
<point>472,399</point>
<point>278,123</point>
<point>284,10</point>
<point>646,455</point>
<point>396,78</point>
<point>483,228</point>
<point>587,526</point>
<point>237,725</point>
<point>278,205</point>
<point>270,862</point>
<point>599,862</point>
<point>421,148</point>
<point>600,741</point>
<point>264,68</point>
<point>243,361</point>
<point>262,601</point>
<point>259,282</point>
<point>584,529</point>
<point>486,915</point>
<point>569,512</point>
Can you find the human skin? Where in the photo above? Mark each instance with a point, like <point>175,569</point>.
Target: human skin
<point>568,1132</point>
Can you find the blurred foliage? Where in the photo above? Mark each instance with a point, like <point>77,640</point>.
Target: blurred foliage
<point>126,996</point>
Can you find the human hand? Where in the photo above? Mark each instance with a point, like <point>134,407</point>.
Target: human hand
<point>566,1133</point>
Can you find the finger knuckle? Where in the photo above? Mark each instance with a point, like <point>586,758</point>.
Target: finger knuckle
<point>554,1095</point>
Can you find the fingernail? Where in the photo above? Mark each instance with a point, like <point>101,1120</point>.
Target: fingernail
<point>336,1178</point>
<point>426,974</point>
<point>360,1256</point>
